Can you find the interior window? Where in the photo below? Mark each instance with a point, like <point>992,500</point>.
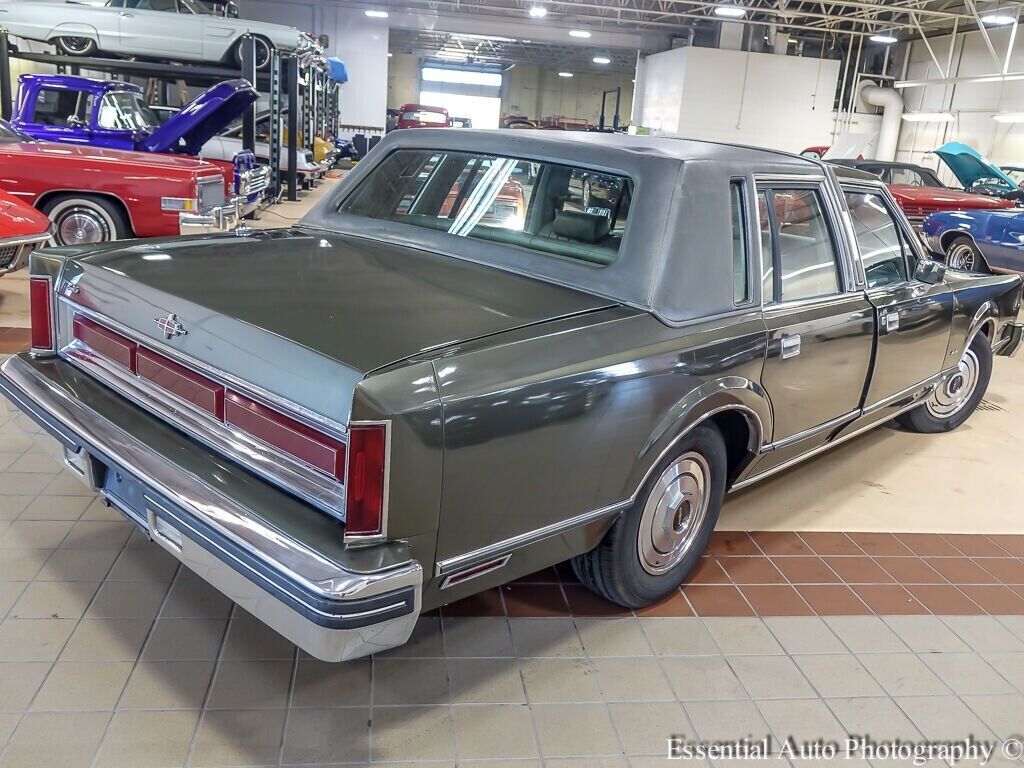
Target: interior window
<point>764,226</point>
<point>55,107</point>
<point>806,259</point>
<point>554,209</point>
<point>740,260</point>
<point>882,248</point>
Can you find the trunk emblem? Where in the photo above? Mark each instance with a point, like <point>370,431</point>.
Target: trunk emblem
<point>170,327</point>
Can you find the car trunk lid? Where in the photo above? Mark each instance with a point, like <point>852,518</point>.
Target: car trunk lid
<point>305,315</point>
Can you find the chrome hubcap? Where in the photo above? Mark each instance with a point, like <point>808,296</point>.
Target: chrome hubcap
<point>674,513</point>
<point>77,44</point>
<point>949,398</point>
<point>81,228</point>
<point>962,257</point>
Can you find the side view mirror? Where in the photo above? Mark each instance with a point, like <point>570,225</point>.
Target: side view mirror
<point>930,272</point>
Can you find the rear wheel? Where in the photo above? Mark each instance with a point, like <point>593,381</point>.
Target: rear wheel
<point>962,253</point>
<point>958,397</point>
<point>76,46</point>
<point>651,549</point>
<point>85,219</point>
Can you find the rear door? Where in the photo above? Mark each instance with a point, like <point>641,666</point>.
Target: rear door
<point>914,318</point>
<point>820,325</point>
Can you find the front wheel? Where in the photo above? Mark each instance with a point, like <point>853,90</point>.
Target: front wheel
<point>85,219</point>
<point>262,53</point>
<point>952,403</point>
<point>654,545</point>
<point>76,46</point>
<point>962,253</point>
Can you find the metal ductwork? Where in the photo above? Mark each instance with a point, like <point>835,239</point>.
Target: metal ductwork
<point>891,102</point>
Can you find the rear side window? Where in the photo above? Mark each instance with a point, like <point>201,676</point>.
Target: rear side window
<point>557,210</point>
<point>803,259</point>
<point>740,259</point>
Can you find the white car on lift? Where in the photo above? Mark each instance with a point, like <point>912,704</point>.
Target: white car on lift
<point>178,29</point>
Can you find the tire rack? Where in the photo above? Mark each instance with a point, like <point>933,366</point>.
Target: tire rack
<point>281,83</point>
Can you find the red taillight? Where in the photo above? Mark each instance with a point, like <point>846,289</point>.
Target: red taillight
<point>105,342</point>
<point>365,481</point>
<point>40,299</point>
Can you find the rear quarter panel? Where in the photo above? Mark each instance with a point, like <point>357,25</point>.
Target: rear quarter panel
<point>982,303</point>
<point>546,426</point>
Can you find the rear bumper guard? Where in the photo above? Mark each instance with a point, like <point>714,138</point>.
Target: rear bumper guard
<point>330,612</point>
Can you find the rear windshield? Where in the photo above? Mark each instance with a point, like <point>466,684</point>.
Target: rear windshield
<point>558,210</point>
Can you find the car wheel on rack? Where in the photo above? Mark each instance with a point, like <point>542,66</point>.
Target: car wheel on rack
<point>653,546</point>
<point>84,219</point>
<point>263,53</point>
<point>962,253</point>
<point>76,46</point>
<point>952,403</point>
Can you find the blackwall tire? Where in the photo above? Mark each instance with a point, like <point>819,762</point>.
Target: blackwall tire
<point>962,253</point>
<point>263,54</point>
<point>85,219</point>
<point>651,549</point>
<point>957,398</point>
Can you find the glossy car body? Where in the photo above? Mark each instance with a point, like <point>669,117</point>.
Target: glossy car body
<point>228,143</point>
<point>997,235</point>
<point>35,172</point>
<point>976,173</point>
<point>522,384</point>
<point>177,29</point>
<point>919,191</point>
<point>423,116</point>
<point>22,229</point>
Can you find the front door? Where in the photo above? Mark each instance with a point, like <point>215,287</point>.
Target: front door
<point>61,114</point>
<point>820,327</point>
<point>161,28</point>
<point>914,318</point>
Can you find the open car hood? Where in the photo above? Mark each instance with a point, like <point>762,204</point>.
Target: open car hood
<point>969,166</point>
<point>202,118</point>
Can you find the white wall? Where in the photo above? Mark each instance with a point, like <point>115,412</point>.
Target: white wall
<point>972,104</point>
<point>361,42</point>
<point>762,99</point>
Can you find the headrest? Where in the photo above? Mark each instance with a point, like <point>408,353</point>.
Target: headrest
<point>584,227</point>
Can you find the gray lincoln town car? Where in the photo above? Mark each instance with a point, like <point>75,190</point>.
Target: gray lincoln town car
<point>488,352</point>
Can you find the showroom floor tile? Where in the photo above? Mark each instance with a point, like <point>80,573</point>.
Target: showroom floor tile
<point>111,654</point>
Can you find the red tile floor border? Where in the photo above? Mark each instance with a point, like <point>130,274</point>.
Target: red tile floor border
<point>802,574</point>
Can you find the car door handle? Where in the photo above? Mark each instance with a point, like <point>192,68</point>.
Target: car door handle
<point>790,346</point>
<point>891,321</point>
<point>126,15</point>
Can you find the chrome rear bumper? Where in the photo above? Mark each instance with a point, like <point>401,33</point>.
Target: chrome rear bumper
<point>331,612</point>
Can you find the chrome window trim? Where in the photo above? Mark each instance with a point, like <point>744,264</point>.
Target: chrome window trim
<point>314,420</point>
<point>291,474</point>
<point>385,502</point>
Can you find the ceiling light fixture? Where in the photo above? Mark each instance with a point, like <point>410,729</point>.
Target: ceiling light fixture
<point>377,14</point>
<point>884,37</point>
<point>565,74</point>
<point>997,20</point>
<point>390,54</point>
<point>601,60</point>
<point>538,11</point>
<point>582,33</point>
<point>730,11</point>
<point>929,117</point>
<point>1009,117</point>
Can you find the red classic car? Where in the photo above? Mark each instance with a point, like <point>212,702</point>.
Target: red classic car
<point>93,195</point>
<point>920,192</point>
<point>21,229</point>
<point>422,116</point>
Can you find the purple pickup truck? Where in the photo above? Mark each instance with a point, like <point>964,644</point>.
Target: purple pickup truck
<point>114,115</point>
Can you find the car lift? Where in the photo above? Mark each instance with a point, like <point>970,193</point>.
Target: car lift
<point>288,81</point>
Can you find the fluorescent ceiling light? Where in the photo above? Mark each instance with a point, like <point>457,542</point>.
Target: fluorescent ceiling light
<point>929,117</point>
<point>997,19</point>
<point>730,11</point>
<point>884,38</point>
<point>493,38</point>
<point>377,14</point>
<point>579,33</point>
<point>390,54</point>
<point>1009,117</point>
<point>456,55</point>
<point>565,74</point>
<point>538,11</point>
<point>602,60</point>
